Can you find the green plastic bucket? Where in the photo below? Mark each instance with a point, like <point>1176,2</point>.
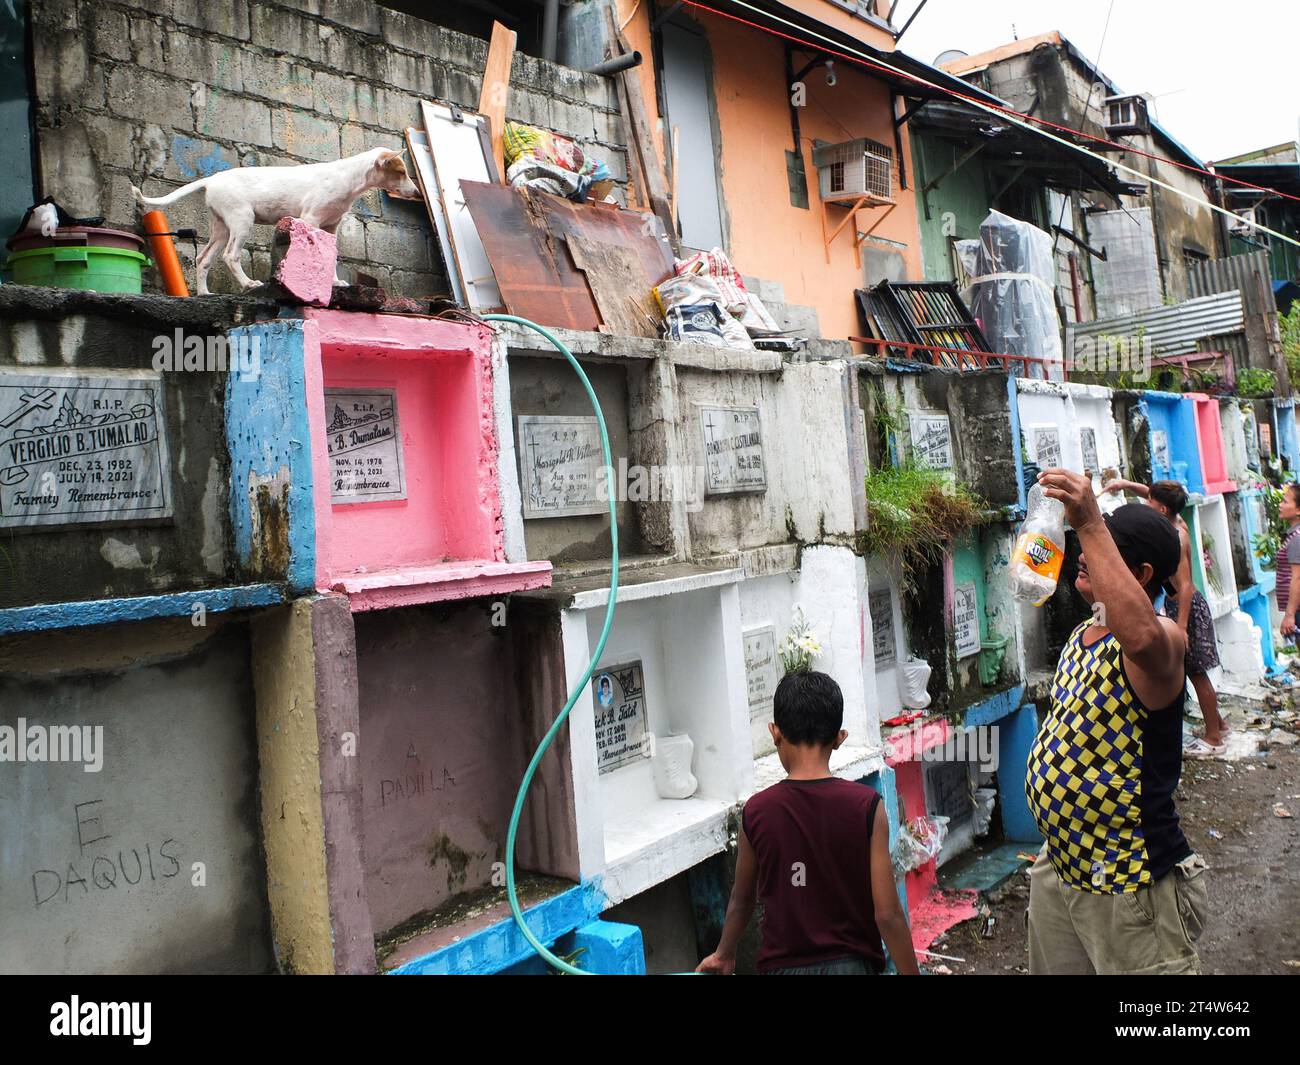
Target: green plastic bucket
<point>97,269</point>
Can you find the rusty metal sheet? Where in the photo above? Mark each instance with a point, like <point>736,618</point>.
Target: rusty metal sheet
<point>525,234</point>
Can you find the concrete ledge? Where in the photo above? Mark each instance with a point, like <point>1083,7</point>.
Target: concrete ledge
<point>136,608</point>
<point>609,347</point>
<point>411,585</point>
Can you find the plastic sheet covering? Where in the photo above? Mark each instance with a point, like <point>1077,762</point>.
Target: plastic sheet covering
<point>1011,290</point>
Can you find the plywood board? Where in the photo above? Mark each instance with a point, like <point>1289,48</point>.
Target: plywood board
<point>417,142</point>
<point>525,234</point>
<point>618,285</point>
<point>496,88</point>
<point>456,141</point>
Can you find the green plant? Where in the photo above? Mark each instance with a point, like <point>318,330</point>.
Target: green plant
<point>916,512</point>
<point>1289,325</point>
<point>1253,382</point>
<point>1268,543</point>
<point>571,959</point>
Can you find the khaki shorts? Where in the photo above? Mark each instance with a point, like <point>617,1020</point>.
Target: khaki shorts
<point>1152,930</point>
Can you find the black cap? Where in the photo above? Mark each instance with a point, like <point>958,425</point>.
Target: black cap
<point>1143,534</point>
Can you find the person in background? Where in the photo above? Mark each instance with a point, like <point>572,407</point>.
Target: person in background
<point>1189,608</point>
<point>815,849</point>
<point>1116,888</point>
<point>1288,558</point>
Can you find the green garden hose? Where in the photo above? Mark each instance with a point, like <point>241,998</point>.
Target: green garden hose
<point>581,685</point>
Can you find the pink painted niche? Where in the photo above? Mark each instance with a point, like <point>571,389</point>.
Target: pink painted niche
<point>444,538</point>
<point>1209,439</point>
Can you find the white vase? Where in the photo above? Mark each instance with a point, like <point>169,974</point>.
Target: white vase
<point>671,765</point>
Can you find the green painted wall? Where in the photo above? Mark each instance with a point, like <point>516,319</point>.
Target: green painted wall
<point>957,205</point>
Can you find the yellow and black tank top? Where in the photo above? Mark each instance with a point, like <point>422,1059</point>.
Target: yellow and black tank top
<point>1102,773</point>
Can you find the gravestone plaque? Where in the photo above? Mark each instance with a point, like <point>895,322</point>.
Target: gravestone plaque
<point>733,450</point>
<point>364,444</point>
<point>883,642</point>
<point>1265,439</point>
<point>1251,431</point>
<point>84,447</point>
<point>931,441</point>
<point>561,466</point>
<point>1160,451</point>
<point>1047,447</point>
<point>966,620</point>
<point>618,693</point>
<point>1088,443</point>
<point>760,668</point>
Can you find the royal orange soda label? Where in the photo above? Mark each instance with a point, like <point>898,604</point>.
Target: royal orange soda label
<point>1041,555</point>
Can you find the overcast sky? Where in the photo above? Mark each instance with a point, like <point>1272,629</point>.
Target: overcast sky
<point>1226,75</point>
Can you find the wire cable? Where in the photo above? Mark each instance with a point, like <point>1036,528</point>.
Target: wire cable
<point>1017,117</point>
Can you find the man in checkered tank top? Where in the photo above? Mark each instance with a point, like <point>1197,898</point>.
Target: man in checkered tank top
<point>1116,888</point>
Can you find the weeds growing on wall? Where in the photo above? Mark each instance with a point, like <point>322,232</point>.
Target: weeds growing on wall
<point>1254,383</point>
<point>915,513</point>
<point>1289,324</point>
<point>1267,544</point>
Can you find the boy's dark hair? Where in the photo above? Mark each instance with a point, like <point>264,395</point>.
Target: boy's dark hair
<point>1171,495</point>
<point>1294,488</point>
<point>808,708</point>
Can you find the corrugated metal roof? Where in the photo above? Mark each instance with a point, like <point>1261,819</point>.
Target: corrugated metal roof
<point>1174,330</point>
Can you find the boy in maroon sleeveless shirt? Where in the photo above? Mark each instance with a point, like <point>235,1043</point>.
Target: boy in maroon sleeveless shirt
<point>815,849</point>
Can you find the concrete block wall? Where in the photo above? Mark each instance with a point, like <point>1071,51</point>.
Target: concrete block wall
<point>161,92</point>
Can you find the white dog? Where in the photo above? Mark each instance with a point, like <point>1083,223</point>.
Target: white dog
<point>321,194</point>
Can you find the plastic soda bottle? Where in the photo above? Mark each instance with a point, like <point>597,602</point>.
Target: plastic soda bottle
<point>1040,549</point>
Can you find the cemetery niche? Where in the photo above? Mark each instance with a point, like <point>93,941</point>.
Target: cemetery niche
<point>406,488</point>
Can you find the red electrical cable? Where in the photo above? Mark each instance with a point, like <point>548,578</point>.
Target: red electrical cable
<point>984,103</point>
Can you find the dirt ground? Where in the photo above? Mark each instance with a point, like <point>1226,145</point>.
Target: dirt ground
<point>1227,811</point>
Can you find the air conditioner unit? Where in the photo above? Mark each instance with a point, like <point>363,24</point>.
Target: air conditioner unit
<point>853,169</point>
<point>1127,114</point>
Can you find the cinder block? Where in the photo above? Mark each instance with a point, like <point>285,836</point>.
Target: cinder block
<point>147,42</point>
<point>362,15</point>
<point>134,93</point>
<point>351,237</point>
<point>59,15</point>
<point>277,78</point>
<point>229,18</point>
<point>462,88</point>
<point>399,247</point>
<point>110,34</point>
<point>62,67</point>
<point>190,158</point>
<point>304,135</point>
<point>415,73</point>
<point>417,284</point>
<point>111,141</point>
<point>234,118</point>
<point>281,30</point>
<point>202,59</point>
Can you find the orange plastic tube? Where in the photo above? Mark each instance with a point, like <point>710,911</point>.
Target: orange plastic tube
<point>164,254</point>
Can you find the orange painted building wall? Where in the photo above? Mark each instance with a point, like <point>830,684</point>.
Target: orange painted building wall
<point>768,237</point>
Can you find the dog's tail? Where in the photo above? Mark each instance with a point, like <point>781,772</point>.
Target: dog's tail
<point>171,197</point>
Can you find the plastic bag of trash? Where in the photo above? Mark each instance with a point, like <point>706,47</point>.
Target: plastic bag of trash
<point>919,841</point>
<point>915,689</point>
<point>538,158</point>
